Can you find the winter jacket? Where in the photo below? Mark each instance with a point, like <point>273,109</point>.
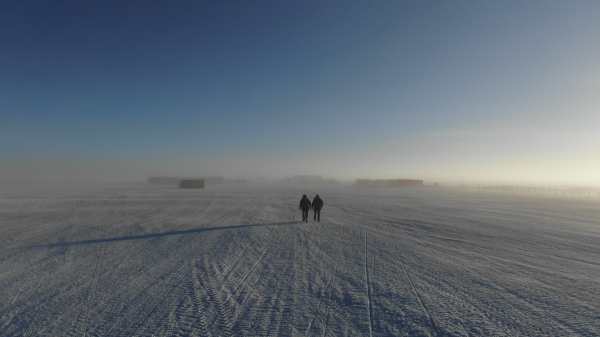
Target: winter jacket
<point>317,203</point>
<point>305,204</point>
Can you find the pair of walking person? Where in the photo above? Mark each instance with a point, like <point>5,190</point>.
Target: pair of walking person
<point>306,205</point>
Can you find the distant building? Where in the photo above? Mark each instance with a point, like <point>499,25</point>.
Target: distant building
<point>388,182</point>
<point>191,183</point>
<point>176,181</point>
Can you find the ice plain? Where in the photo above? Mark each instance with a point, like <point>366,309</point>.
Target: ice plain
<point>139,260</point>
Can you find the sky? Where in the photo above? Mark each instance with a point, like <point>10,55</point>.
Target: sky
<point>449,91</point>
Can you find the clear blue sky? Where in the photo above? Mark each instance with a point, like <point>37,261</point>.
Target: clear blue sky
<point>446,90</point>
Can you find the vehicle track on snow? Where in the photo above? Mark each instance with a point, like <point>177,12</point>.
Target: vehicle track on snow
<point>267,307</point>
<point>368,286</point>
<point>23,315</point>
<point>82,324</point>
<point>208,305</point>
<point>189,316</point>
<point>318,309</point>
<point>211,311</point>
<point>198,312</point>
<point>232,269</point>
<point>282,325</point>
<point>426,310</point>
<point>152,320</point>
<point>244,279</point>
<point>150,301</point>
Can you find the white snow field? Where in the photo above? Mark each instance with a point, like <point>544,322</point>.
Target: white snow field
<point>235,261</point>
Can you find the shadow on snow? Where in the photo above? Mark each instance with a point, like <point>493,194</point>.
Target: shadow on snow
<point>160,234</point>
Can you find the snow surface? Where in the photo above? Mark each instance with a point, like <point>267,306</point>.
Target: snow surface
<point>235,261</point>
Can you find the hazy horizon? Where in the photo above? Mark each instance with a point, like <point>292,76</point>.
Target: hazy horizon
<point>450,92</point>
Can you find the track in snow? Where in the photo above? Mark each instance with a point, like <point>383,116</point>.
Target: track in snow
<point>368,286</point>
<point>421,302</point>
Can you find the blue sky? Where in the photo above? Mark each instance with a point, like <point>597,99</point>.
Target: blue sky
<point>445,90</point>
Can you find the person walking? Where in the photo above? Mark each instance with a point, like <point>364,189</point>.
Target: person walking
<point>305,207</point>
<point>317,204</point>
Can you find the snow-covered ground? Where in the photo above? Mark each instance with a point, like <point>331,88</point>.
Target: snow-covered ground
<point>234,261</point>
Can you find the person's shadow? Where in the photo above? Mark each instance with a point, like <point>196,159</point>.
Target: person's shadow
<point>160,234</point>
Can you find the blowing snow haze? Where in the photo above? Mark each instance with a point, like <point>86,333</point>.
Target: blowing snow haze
<point>454,91</point>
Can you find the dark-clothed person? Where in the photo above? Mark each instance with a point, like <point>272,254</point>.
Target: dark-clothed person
<point>305,207</point>
<point>317,204</point>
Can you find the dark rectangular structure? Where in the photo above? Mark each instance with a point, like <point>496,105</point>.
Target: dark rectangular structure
<point>191,183</point>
